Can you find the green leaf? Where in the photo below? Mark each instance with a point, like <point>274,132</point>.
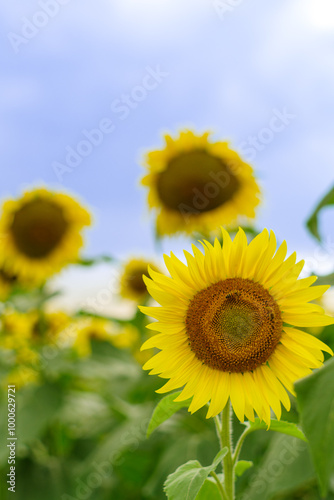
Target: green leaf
<point>164,410</point>
<point>242,466</point>
<point>279,426</point>
<point>186,482</point>
<point>326,280</point>
<point>312,222</point>
<point>96,260</point>
<point>36,410</point>
<point>286,467</point>
<point>209,490</point>
<point>315,400</point>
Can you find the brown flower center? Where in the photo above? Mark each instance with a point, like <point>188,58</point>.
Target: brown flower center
<point>233,325</point>
<point>196,182</point>
<point>38,227</point>
<point>136,282</point>
<point>6,277</point>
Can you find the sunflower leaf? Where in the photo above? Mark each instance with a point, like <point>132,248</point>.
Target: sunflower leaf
<point>186,482</point>
<point>96,260</point>
<point>242,466</point>
<point>326,280</point>
<point>164,410</point>
<point>315,400</point>
<point>278,426</point>
<point>284,468</point>
<point>312,222</point>
<point>209,490</point>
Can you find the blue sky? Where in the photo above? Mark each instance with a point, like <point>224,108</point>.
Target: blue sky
<point>229,67</point>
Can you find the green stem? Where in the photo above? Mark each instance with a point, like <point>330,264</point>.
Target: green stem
<point>226,440</point>
<point>220,487</point>
<point>239,444</point>
<point>218,425</point>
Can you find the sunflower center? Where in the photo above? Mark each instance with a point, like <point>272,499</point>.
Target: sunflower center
<point>38,227</point>
<point>233,325</point>
<point>6,277</point>
<point>94,335</point>
<point>136,281</point>
<point>196,181</point>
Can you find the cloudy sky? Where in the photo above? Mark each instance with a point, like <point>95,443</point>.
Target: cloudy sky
<point>224,65</point>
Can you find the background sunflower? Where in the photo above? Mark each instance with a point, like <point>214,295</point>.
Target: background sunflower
<point>195,185</point>
<point>41,233</point>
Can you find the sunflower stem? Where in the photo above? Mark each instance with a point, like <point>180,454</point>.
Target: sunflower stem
<point>239,444</point>
<point>218,425</point>
<point>220,486</point>
<point>226,440</point>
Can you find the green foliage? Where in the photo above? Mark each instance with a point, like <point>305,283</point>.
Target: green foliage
<point>286,466</point>
<point>325,280</point>
<point>312,222</point>
<point>279,426</point>
<point>164,410</point>
<point>38,407</point>
<point>209,491</point>
<point>242,466</point>
<point>94,261</point>
<point>186,482</point>
<point>315,397</point>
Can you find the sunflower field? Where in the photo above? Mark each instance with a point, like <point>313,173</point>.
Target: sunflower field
<point>166,251</point>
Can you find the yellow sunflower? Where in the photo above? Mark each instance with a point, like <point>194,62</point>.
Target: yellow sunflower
<point>125,337</point>
<point>128,337</point>
<point>7,282</point>
<point>132,285</point>
<point>229,326</point>
<point>89,329</point>
<point>21,376</point>
<point>41,233</point>
<point>195,185</point>
<point>48,327</point>
<point>16,329</point>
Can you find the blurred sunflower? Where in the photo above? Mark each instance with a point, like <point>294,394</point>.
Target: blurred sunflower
<point>7,282</point>
<point>125,337</point>
<point>132,285</point>
<point>41,233</point>
<point>228,326</point>
<point>21,376</point>
<point>16,329</point>
<point>87,330</point>
<point>195,185</point>
<point>49,326</point>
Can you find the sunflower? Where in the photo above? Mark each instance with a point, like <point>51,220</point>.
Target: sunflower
<point>88,330</point>
<point>49,327</point>
<point>125,337</point>
<point>31,329</point>
<point>195,185</point>
<point>16,329</point>
<point>132,285</point>
<point>229,326</point>
<point>7,282</point>
<point>21,376</point>
<point>41,233</point>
